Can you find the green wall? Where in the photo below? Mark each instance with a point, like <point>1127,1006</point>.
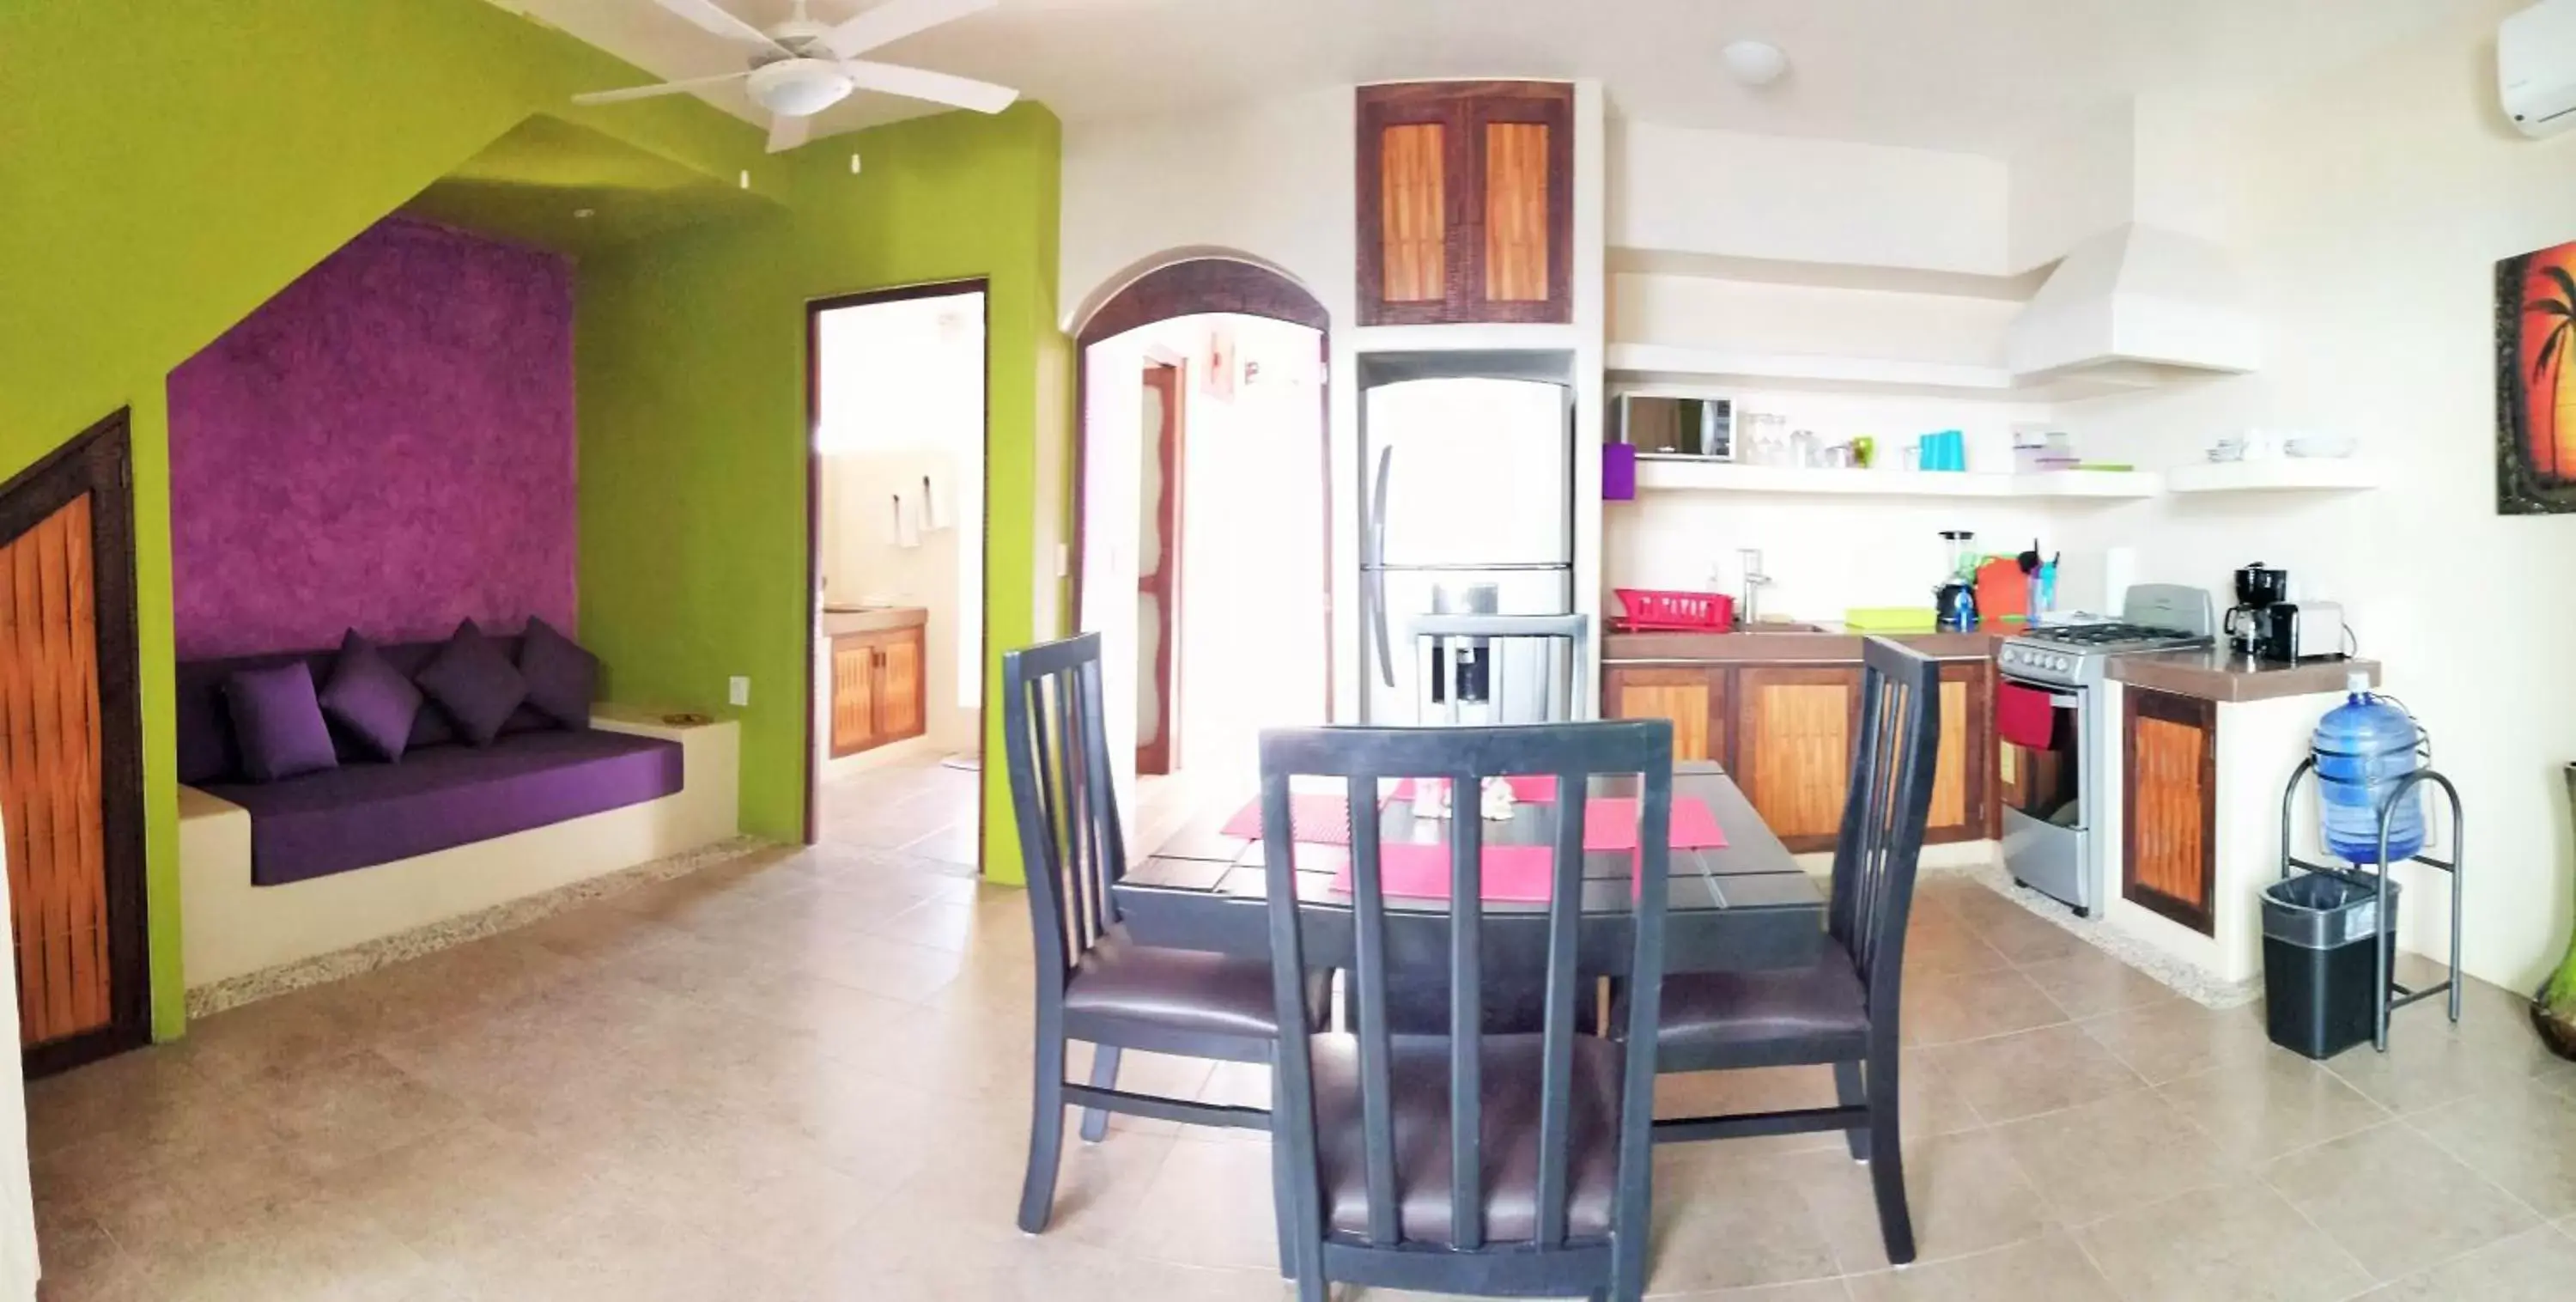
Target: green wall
<point>249,138</point>
<point>693,421</point>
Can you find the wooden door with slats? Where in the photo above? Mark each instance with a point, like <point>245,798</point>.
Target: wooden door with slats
<point>1961,782</point>
<point>1466,198</point>
<point>1793,753</point>
<point>1523,225</point>
<point>1693,698</point>
<point>70,754</point>
<point>2169,860</point>
<point>854,690</point>
<point>899,691</point>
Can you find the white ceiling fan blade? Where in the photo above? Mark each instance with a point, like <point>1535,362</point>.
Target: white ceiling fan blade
<point>895,20</point>
<point>648,92</point>
<point>786,133</point>
<point>715,18</point>
<point>937,87</point>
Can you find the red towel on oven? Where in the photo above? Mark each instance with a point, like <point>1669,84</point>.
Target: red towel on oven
<point>2024,716</point>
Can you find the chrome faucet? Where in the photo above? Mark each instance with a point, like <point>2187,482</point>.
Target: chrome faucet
<point>1748,609</point>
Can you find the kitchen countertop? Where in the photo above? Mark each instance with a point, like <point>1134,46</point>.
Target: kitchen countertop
<point>2218,674</point>
<point>1831,645</point>
<point>850,621</point>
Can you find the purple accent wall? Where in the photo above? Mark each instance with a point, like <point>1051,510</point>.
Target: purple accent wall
<point>386,445</point>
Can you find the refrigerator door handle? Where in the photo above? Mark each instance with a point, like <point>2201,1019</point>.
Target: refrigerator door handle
<point>1374,554</point>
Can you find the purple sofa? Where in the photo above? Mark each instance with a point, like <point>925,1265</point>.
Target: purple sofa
<point>442,793</point>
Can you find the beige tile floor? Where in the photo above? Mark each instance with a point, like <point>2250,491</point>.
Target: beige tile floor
<point>802,1076</point>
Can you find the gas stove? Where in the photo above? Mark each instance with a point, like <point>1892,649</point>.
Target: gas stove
<point>2155,617</point>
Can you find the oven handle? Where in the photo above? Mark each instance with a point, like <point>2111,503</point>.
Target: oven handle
<point>2059,694</point>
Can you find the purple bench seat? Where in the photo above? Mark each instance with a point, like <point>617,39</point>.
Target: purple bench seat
<point>440,795</point>
<point>359,815</point>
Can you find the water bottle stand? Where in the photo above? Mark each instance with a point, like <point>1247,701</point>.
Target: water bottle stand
<point>2392,996</point>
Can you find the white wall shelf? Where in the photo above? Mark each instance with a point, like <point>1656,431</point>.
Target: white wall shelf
<point>2274,474</point>
<point>1664,475</point>
<point>1668,364</point>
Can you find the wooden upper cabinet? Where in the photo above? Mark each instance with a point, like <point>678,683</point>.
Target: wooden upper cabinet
<point>1466,194</point>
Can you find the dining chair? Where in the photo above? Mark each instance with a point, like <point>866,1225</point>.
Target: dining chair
<point>1094,983</point>
<point>1471,1161</point>
<point>1843,1010</point>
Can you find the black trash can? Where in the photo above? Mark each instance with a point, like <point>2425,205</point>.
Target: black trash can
<point>2321,960</point>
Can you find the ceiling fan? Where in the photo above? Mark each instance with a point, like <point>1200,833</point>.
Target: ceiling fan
<point>801,67</point>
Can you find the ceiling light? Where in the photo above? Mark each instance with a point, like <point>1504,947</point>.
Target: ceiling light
<point>1754,63</point>
<point>799,88</point>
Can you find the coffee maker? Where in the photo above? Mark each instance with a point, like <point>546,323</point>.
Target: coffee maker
<point>2260,592</point>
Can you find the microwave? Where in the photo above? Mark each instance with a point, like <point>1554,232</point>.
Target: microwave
<point>1662,426</point>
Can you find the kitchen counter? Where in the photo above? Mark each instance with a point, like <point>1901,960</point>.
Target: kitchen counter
<point>2218,674</point>
<point>849,621</point>
<point>1830,645</point>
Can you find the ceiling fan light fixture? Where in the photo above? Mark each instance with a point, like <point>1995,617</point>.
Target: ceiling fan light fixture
<point>1754,63</point>
<point>799,88</point>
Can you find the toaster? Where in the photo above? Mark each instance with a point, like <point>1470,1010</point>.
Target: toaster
<point>2311,630</point>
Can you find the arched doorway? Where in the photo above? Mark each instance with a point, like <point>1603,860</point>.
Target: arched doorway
<point>1221,355</point>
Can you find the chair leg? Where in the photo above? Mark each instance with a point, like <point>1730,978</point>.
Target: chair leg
<point>1849,1092</point>
<point>1283,1201</point>
<point>1046,1133</point>
<point>1887,1164</point>
<point>1104,1075</point>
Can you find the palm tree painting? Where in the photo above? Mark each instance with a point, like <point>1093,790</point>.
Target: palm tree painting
<point>2535,394</point>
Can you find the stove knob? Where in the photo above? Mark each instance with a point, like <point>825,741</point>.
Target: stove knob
<point>2063,664</point>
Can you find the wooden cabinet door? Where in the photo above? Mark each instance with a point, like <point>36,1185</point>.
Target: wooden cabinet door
<point>854,693</point>
<point>1466,202</point>
<point>1521,234</point>
<point>2169,859</point>
<point>1961,785</point>
<point>1793,748</point>
<point>1693,698</point>
<point>900,695</point>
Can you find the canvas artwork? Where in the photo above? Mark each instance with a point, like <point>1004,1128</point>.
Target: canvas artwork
<point>2535,395</point>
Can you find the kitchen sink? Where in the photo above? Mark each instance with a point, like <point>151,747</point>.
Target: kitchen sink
<point>1779,626</point>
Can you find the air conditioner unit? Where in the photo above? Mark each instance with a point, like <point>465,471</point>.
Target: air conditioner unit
<point>2536,68</point>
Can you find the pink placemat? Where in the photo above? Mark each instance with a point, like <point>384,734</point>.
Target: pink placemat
<point>1533,788</point>
<point>1417,871</point>
<point>1610,823</point>
<point>1316,818</point>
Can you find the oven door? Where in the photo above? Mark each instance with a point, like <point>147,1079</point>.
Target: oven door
<point>2040,772</point>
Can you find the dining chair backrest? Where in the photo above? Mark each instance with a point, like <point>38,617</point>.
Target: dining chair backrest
<point>1062,798</point>
<point>1893,761</point>
<point>1470,937</point>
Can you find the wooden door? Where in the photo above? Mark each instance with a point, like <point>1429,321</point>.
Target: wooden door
<point>1465,202</point>
<point>1693,698</point>
<point>70,754</point>
<point>854,695</point>
<point>2169,860</point>
<point>1158,572</point>
<point>1961,784</point>
<point>900,695</point>
<point>1793,749</point>
<point>1522,233</point>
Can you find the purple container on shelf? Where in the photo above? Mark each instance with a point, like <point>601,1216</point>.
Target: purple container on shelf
<point>1618,472</point>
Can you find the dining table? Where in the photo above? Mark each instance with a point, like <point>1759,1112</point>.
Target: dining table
<point>1742,906</point>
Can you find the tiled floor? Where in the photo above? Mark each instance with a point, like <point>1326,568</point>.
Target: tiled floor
<point>802,1076</point>
<point>920,806</point>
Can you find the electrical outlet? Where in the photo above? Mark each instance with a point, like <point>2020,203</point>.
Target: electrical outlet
<point>738,690</point>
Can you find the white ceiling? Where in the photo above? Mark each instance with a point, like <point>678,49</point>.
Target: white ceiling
<point>1974,75</point>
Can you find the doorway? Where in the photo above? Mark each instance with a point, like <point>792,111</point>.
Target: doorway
<point>71,773</point>
<point>896,404</point>
<point>1203,551</point>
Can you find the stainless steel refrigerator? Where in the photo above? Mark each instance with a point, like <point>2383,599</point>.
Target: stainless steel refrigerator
<point>1467,508</point>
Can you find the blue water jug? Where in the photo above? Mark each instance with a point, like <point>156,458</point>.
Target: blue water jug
<point>2364,748</point>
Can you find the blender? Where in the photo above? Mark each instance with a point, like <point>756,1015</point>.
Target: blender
<point>1954,600</point>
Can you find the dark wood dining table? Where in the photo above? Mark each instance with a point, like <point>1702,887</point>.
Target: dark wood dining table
<point>1745,906</point>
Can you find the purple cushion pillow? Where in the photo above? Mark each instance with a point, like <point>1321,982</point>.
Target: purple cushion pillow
<point>474,683</point>
<point>370,699</point>
<point>278,721</point>
<point>560,674</point>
